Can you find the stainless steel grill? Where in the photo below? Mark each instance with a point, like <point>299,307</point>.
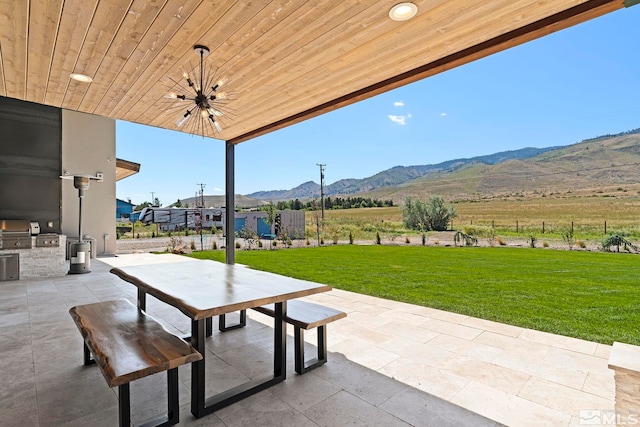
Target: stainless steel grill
<point>15,234</point>
<point>47,240</point>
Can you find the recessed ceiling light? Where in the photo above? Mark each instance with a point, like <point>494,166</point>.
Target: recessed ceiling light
<point>403,11</point>
<point>81,77</point>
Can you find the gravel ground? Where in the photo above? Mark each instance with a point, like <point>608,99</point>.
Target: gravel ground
<point>160,244</point>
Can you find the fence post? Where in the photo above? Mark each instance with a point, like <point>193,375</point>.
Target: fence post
<point>493,224</point>
<point>571,227</point>
<point>605,227</point>
<point>517,227</point>
<point>542,227</point>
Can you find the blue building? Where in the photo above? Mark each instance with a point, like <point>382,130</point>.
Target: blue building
<point>124,210</point>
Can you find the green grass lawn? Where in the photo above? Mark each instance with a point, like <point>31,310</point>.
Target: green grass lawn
<point>588,295</point>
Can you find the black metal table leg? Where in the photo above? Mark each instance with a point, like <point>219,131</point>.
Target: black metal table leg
<point>201,406</point>
<point>222,323</point>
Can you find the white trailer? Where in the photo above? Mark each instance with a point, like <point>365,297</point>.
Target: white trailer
<point>288,222</point>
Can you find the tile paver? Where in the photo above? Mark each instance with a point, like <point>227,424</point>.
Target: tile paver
<point>391,362</point>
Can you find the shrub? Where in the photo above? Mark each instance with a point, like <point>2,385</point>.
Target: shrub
<point>214,246</point>
<point>153,234</point>
<point>259,243</point>
<point>468,239</point>
<point>308,242</point>
<point>193,245</point>
<point>407,241</point>
<point>568,238</point>
<point>581,244</point>
<point>500,241</point>
<point>545,244</point>
<point>238,245</point>
<point>617,240</point>
<point>430,215</point>
<point>532,240</point>
<point>350,238</point>
<point>424,239</point>
<point>274,243</point>
<point>378,241</point>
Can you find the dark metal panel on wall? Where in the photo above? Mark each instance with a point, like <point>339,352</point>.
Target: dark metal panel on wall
<point>30,163</point>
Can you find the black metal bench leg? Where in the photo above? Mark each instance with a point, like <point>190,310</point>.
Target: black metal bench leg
<point>172,417</point>
<point>300,365</point>
<point>173,402</point>
<point>209,327</point>
<point>222,326</point>
<point>87,356</point>
<point>124,406</point>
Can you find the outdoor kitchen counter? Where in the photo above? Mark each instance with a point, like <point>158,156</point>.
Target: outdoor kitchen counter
<point>41,261</point>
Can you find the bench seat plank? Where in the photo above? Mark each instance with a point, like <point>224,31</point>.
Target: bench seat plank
<point>305,315</point>
<point>128,344</point>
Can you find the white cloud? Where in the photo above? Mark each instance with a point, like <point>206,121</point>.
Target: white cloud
<point>398,104</point>
<point>217,189</point>
<point>401,120</point>
<point>443,114</point>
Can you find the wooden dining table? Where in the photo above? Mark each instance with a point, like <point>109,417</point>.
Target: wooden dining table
<point>204,289</point>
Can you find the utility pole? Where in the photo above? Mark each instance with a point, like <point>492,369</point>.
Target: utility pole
<point>153,199</point>
<point>200,214</point>
<point>201,202</point>
<point>322,166</point>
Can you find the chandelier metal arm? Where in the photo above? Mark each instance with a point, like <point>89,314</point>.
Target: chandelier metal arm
<point>208,103</point>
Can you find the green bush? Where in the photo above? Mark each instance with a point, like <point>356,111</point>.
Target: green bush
<point>430,215</point>
<point>378,241</point>
<point>617,240</point>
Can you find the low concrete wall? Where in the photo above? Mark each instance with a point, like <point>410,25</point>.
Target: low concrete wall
<point>625,361</point>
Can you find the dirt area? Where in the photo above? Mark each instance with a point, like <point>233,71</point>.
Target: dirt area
<point>444,238</point>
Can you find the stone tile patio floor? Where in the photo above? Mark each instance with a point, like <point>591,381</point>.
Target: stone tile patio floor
<point>390,363</point>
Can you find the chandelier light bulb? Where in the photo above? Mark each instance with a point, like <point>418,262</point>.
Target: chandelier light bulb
<point>183,119</point>
<point>171,95</point>
<point>221,95</point>
<point>204,113</point>
<point>216,125</point>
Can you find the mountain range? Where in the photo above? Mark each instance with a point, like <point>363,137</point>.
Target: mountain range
<point>604,160</point>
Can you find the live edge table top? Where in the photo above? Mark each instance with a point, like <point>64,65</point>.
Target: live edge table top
<point>203,289</point>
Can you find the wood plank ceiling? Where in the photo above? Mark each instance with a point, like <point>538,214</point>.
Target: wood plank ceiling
<point>286,60</point>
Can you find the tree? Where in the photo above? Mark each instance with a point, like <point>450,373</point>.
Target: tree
<point>177,204</point>
<point>142,206</point>
<point>433,214</point>
<point>617,240</point>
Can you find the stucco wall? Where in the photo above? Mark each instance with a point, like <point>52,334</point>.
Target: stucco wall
<point>89,147</point>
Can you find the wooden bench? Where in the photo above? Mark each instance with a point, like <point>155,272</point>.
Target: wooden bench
<point>127,344</point>
<point>304,316</point>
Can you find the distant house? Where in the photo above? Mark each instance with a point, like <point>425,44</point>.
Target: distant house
<point>124,211</point>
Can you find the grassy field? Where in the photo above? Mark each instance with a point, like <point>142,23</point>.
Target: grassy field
<point>510,216</point>
<point>586,295</point>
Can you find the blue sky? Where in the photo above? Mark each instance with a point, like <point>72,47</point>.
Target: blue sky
<point>575,84</point>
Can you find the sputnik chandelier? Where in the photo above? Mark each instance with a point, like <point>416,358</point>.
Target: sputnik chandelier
<point>206,102</point>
